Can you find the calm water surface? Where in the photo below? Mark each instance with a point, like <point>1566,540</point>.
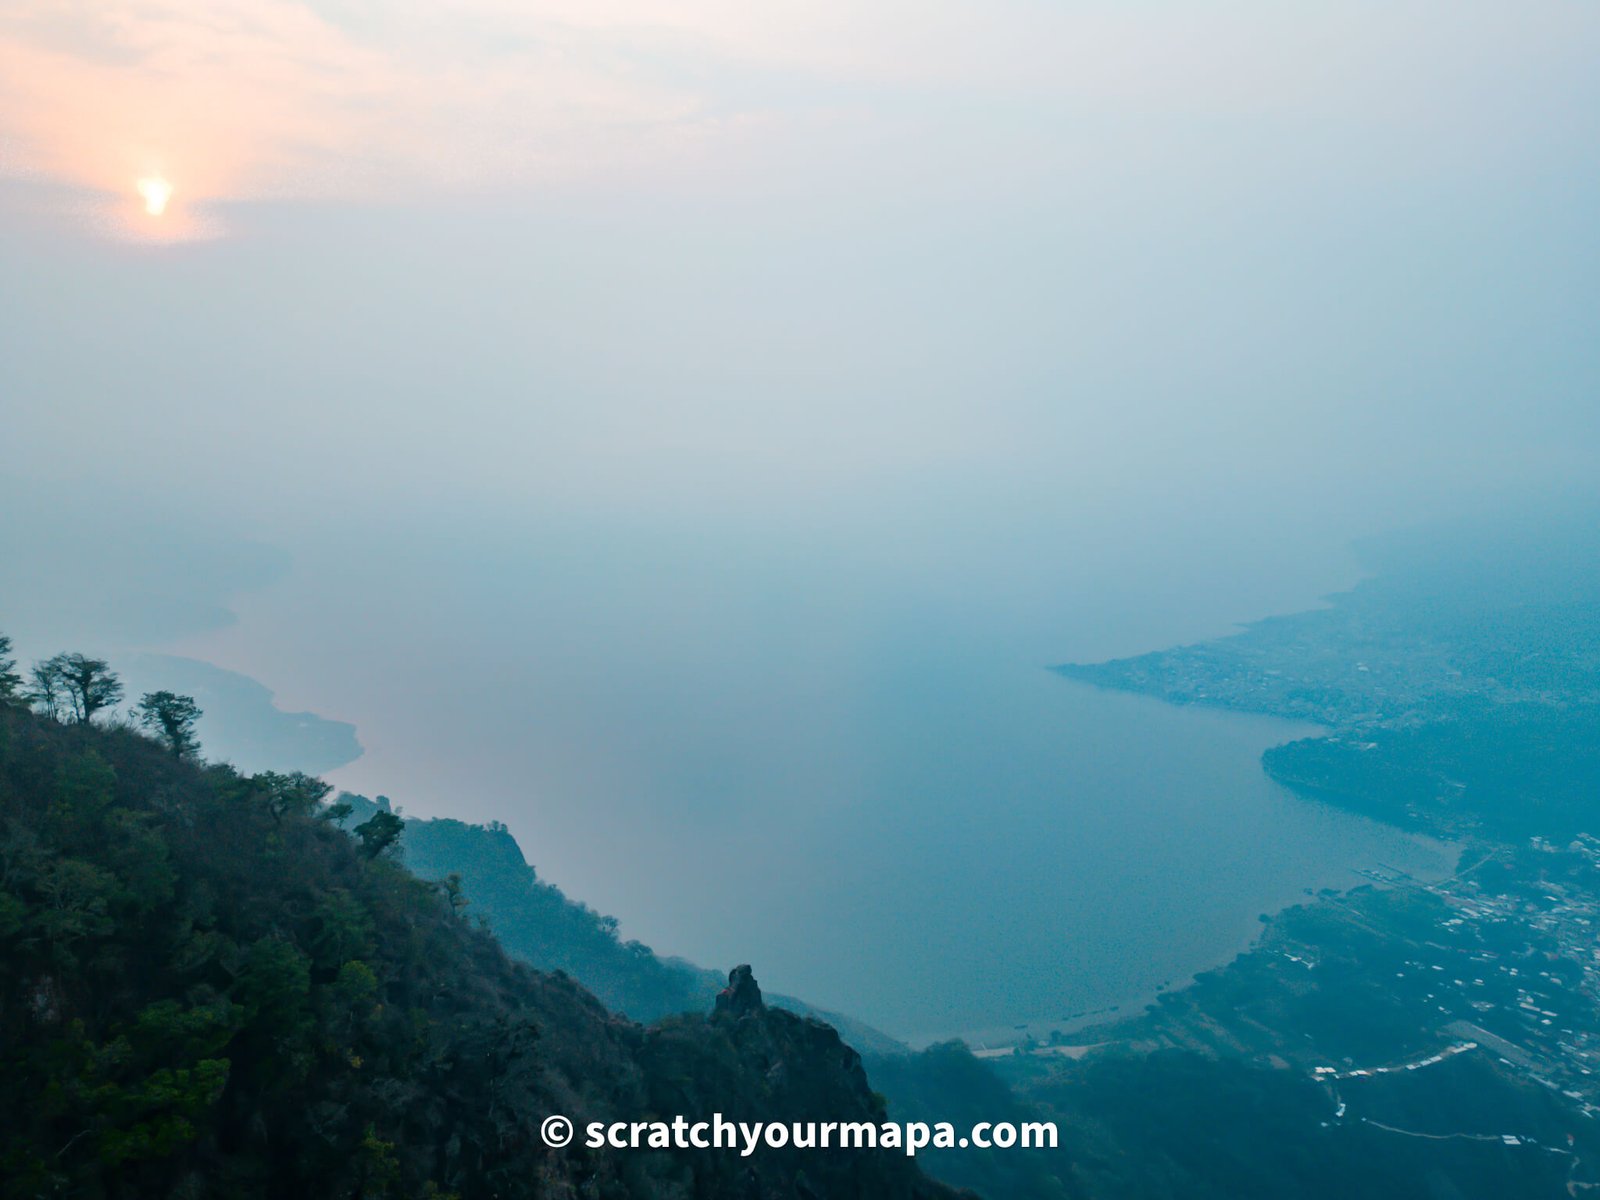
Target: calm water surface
<point>854,773</point>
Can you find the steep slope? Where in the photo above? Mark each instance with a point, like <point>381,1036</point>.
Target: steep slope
<point>538,923</point>
<point>205,989</point>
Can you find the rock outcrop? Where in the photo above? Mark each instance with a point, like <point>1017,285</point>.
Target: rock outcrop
<point>742,996</point>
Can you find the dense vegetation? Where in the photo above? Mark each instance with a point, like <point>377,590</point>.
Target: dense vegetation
<point>1165,1124</point>
<point>207,988</point>
<point>1179,1124</point>
<point>946,1083</point>
<point>1511,771</point>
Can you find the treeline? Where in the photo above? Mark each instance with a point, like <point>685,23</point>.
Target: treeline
<point>76,688</point>
<point>1509,771</point>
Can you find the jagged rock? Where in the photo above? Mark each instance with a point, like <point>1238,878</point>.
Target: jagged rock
<point>742,997</point>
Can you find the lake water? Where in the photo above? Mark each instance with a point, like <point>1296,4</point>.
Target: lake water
<point>855,774</point>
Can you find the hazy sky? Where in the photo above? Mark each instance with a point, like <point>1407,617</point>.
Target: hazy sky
<point>712,365</point>
<point>497,252</point>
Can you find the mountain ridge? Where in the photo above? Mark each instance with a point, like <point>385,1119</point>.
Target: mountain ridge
<point>208,988</point>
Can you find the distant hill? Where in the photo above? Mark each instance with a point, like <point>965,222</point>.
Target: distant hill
<point>1460,685</point>
<point>538,923</point>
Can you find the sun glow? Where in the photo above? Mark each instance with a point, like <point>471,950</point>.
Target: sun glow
<point>155,193</point>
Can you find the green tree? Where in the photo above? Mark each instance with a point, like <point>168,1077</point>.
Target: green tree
<point>379,1168</point>
<point>275,985</point>
<point>88,684</point>
<point>10,681</point>
<point>172,718</point>
<point>379,835</point>
<point>292,792</point>
<point>47,692</point>
<point>454,895</point>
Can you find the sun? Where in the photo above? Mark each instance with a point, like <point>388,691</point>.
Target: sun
<point>155,192</point>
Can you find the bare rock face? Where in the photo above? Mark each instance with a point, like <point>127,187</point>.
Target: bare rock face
<point>742,997</point>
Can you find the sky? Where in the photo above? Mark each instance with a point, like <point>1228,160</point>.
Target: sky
<point>714,250</point>
<point>554,391</point>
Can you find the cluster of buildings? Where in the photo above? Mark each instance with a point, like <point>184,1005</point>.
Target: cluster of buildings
<point>1518,964</point>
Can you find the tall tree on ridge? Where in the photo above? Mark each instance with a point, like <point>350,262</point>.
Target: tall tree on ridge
<point>10,681</point>
<point>47,692</point>
<point>90,684</point>
<point>171,718</point>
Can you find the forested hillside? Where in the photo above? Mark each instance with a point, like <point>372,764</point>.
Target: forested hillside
<point>536,921</point>
<point>207,988</point>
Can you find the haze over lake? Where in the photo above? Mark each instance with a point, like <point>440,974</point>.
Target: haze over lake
<point>689,436</point>
<point>867,491</point>
<point>842,760</point>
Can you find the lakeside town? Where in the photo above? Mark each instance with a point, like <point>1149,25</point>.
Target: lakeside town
<point>1516,963</point>
<point>1497,963</point>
